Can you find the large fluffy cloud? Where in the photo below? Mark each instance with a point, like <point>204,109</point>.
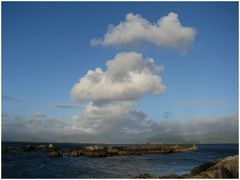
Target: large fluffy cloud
<point>112,95</point>
<point>128,77</point>
<point>167,32</point>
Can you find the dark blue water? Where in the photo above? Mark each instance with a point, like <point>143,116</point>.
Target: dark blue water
<point>39,165</point>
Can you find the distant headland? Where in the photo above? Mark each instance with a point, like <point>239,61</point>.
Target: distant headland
<point>104,150</point>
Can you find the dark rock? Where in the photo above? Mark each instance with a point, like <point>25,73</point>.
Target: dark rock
<point>4,149</point>
<point>167,148</point>
<point>18,149</point>
<point>171,176</point>
<point>129,152</point>
<point>112,151</point>
<point>94,153</point>
<point>224,168</point>
<point>29,148</point>
<point>75,152</point>
<point>146,176</point>
<point>201,168</point>
<point>55,153</point>
<point>124,153</point>
<point>45,148</point>
<point>41,148</point>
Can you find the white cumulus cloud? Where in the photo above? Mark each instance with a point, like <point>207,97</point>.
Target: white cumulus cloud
<point>127,78</point>
<point>168,32</point>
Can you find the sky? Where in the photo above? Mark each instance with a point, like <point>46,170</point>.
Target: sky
<point>120,72</point>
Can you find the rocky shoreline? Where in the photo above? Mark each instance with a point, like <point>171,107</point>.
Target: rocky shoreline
<point>103,151</point>
<point>221,168</point>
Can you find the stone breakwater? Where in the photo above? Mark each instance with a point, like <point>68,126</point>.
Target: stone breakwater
<point>221,168</point>
<point>103,151</point>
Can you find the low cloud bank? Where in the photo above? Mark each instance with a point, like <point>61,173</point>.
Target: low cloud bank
<point>133,127</point>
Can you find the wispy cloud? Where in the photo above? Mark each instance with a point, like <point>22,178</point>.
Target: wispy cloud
<point>38,114</point>
<point>65,106</point>
<point>10,98</point>
<point>201,102</point>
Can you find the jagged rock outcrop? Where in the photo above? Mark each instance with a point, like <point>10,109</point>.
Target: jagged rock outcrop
<point>222,168</point>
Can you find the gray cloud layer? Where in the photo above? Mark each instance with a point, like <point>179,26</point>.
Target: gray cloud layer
<point>167,32</point>
<point>202,130</point>
<point>123,126</point>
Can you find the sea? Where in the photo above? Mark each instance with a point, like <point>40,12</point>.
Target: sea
<point>39,165</point>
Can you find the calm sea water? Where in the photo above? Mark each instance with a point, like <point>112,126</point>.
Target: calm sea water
<point>39,165</point>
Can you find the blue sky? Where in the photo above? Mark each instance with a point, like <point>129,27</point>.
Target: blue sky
<point>46,49</point>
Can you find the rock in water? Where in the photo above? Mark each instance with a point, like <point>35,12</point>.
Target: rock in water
<point>28,148</point>
<point>95,153</point>
<point>50,146</point>
<point>75,153</point>
<point>56,153</point>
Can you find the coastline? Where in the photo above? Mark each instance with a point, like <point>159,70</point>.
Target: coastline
<point>221,168</point>
<point>104,151</point>
<point>35,164</point>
